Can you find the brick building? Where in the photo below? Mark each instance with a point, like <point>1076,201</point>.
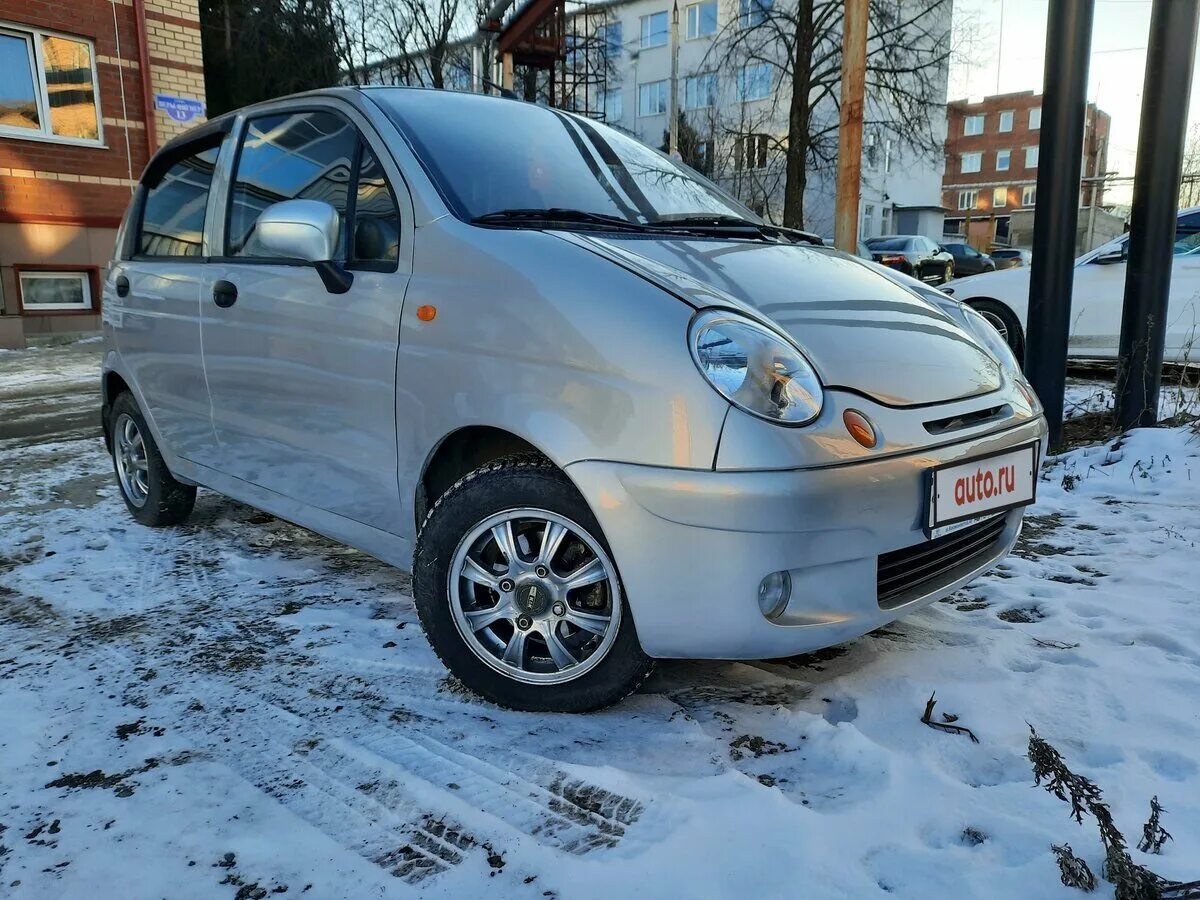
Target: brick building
<point>88,90</point>
<point>992,161</point>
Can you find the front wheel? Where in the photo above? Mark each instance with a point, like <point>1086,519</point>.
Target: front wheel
<point>948,274</point>
<point>519,596</point>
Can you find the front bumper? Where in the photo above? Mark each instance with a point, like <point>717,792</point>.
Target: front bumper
<point>693,546</point>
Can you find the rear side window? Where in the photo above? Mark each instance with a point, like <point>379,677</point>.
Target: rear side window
<point>173,214</point>
<point>304,155</point>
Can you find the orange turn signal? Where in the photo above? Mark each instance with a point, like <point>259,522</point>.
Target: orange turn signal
<point>860,428</point>
<point>427,313</point>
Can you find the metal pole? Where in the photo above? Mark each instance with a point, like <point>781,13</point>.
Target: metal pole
<point>854,78</point>
<point>673,127</point>
<point>1170,54</point>
<point>1064,106</point>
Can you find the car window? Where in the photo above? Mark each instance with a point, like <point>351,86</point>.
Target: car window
<point>376,218</point>
<point>1187,233</point>
<point>301,155</point>
<point>521,156</point>
<point>173,214</point>
<point>888,243</point>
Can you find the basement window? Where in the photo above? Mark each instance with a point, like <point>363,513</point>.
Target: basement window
<point>44,291</point>
<point>48,90</point>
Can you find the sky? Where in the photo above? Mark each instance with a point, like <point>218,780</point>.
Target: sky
<point>998,59</point>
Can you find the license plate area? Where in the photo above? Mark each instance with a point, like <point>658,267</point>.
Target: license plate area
<point>963,493</point>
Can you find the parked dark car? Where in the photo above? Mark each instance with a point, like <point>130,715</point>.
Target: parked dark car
<point>968,260</point>
<point>1011,259</point>
<point>914,255</point>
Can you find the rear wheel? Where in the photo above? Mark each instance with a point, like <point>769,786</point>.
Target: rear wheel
<point>151,493</point>
<point>1002,319</point>
<point>518,593</point>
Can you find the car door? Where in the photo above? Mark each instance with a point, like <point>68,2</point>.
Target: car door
<point>153,293</point>
<point>302,380</point>
<point>1183,310</point>
<point>1096,301</point>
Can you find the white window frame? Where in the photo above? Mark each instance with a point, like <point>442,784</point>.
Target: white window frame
<point>1007,160</point>
<point>976,156</point>
<point>1035,118</point>
<point>612,48</point>
<point>613,101</point>
<point>1029,195</point>
<point>967,199</point>
<point>33,39</point>
<point>1001,126</point>
<point>646,32</point>
<point>33,309</point>
<point>693,19</point>
<point>661,84</point>
<point>1035,151</point>
<point>744,82</point>
<point>977,119</point>
<point>999,197</point>
<point>709,99</point>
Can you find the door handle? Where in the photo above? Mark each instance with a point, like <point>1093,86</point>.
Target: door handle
<point>122,286</point>
<point>224,293</point>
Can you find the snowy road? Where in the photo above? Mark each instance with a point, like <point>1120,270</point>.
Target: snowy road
<point>236,707</point>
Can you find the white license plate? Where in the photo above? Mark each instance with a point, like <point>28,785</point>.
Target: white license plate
<point>962,493</point>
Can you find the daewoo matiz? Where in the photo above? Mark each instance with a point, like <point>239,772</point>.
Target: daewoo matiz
<point>602,411</point>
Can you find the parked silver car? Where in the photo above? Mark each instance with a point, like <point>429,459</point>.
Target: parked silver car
<point>600,409</point>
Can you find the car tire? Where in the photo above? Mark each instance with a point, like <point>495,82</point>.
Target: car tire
<point>151,493</point>
<point>521,496</point>
<point>1003,319</point>
<point>948,274</point>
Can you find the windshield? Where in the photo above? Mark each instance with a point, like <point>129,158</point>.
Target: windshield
<point>889,243</point>
<point>487,155</point>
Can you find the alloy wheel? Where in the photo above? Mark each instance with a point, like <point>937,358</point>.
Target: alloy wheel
<point>535,596</point>
<point>133,465</point>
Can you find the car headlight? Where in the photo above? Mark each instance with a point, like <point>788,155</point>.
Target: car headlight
<point>983,331</point>
<point>755,368</point>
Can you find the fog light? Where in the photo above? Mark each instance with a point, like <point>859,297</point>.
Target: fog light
<point>774,591</point>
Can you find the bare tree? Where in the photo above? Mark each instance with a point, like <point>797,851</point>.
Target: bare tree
<point>1189,187</point>
<point>800,43</point>
<point>415,42</point>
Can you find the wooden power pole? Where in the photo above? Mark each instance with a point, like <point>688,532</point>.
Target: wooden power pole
<point>850,134</point>
<point>673,127</point>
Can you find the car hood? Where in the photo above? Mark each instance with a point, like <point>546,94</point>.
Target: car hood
<point>1000,280</point>
<point>861,331</point>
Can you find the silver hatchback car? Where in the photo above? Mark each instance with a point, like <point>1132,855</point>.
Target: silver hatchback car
<point>602,411</point>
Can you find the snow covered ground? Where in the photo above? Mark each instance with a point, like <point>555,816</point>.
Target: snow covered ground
<point>237,707</point>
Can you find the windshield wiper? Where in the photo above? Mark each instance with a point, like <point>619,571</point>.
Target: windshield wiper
<point>723,223</point>
<point>556,215</point>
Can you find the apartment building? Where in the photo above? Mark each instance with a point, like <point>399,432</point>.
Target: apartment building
<point>739,115</point>
<point>992,149</point>
<point>88,90</point>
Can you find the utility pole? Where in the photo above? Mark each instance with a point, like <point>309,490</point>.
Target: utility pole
<point>673,128</point>
<point>1064,107</point>
<point>1170,54</point>
<point>850,133</point>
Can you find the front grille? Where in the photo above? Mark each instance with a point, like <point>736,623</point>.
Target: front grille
<point>903,572</point>
<point>968,420</point>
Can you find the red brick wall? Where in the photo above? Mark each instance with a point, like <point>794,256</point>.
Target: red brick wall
<point>992,140</point>
<point>46,181</point>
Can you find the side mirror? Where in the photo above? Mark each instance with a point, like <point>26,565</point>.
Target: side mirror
<point>306,230</point>
<point>1108,257</point>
